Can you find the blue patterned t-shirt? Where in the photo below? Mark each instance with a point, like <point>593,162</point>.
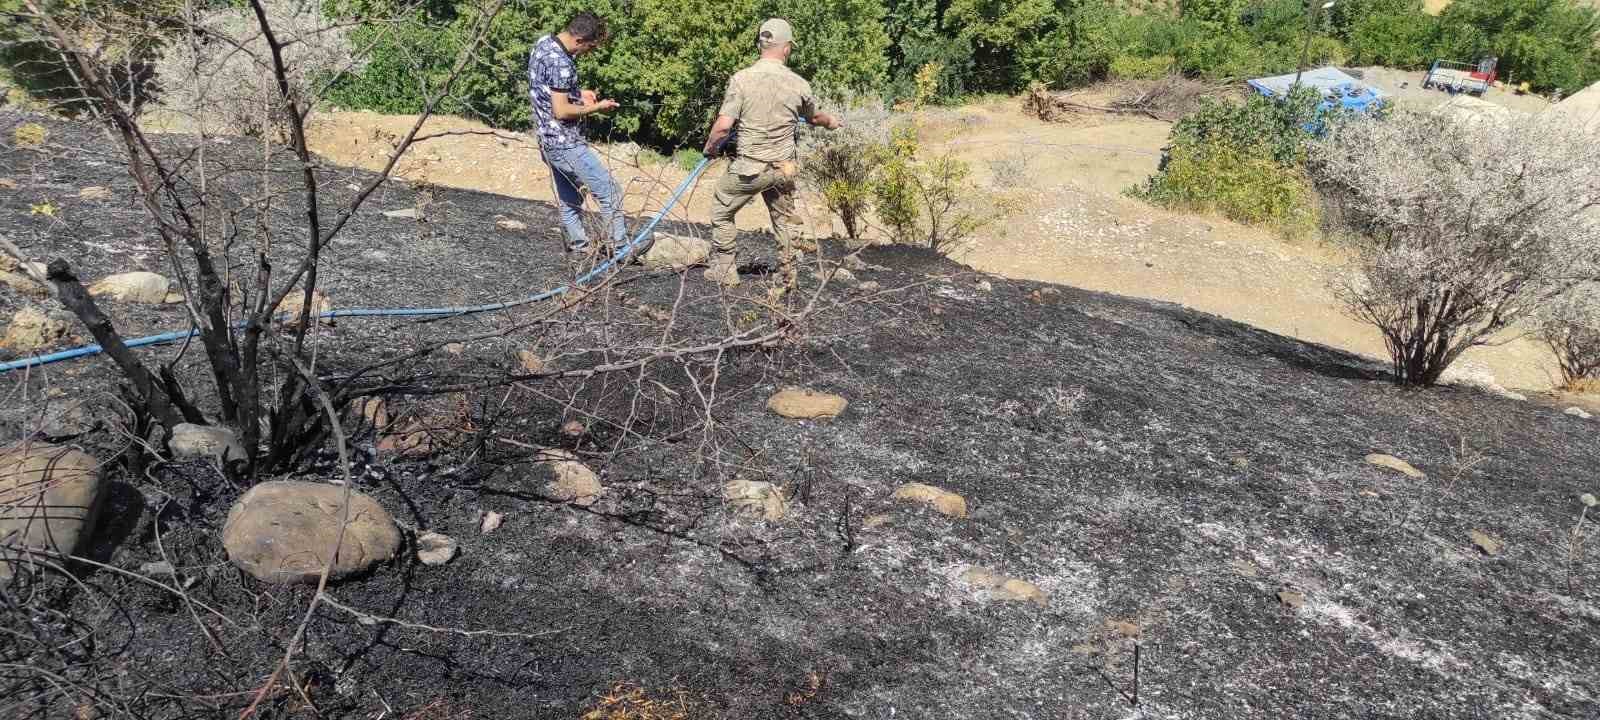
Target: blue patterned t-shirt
<point>552,69</point>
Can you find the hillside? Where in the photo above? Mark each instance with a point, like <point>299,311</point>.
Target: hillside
<point>1163,478</point>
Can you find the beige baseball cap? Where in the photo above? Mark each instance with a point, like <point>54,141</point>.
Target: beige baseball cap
<point>776,31</point>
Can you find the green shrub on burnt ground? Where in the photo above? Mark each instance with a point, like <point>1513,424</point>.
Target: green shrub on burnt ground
<point>1244,161</point>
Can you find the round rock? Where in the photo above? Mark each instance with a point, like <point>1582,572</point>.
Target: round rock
<point>282,532</point>
<point>939,499</point>
<point>805,404</point>
<point>559,476</point>
<point>49,496</point>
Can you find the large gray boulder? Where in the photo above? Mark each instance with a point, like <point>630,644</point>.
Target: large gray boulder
<point>282,532</point>
<point>49,497</point>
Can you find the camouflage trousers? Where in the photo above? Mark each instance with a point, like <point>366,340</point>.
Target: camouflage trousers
<point>777,190</point>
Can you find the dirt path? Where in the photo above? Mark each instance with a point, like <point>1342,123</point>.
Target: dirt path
<point>1067,221</point>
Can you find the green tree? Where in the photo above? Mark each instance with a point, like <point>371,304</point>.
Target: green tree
<point>1549,43</point>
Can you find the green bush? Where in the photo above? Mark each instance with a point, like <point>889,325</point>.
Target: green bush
<point>687,158</point>
<point>1244,161</point>
<point>1132,67</point>
<point>1548,43</point>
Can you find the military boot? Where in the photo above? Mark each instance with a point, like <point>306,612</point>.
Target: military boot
<point>723,270</point>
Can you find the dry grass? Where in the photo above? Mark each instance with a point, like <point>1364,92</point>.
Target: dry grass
<point>1584,386</point>
<point>626,701</point>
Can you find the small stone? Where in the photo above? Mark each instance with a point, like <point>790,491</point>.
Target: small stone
<point>804,404</point>
<point>22,283</point>
<point>1588,500</point>
<point>1291,598</point>
<point>513,225</point>
<point>174,297</point>
<point>94,192</point>
<point>135,287</point>
<point>455,348</point>
<point>1578,412</point>
<point>49,500</point>
<point>838,275</point>
<point>870,286</point>
<point>1394,463</point>
<point>1244,568</point>
<point>1000,587</point>
<point>410,213</point>
<point>207,441</point>
<point>985,286</point>
<point>282,532</point>
<point>31,329</point>
<point>566,479</point>
<point>1124,628</point>
<point>436,548</point>
<point>944,501</point>
<point>874,522</point>
<point>530,361</point>
<point>573,429</point>
<point>675,252</point>
<point>289,309</point>
<point>158,568</point>
<point>854,262</point>
<point>8,184</point>
<point>374,410</point>
<point>491,522</point>
<point>757,496</point>
<point>1488,544</point>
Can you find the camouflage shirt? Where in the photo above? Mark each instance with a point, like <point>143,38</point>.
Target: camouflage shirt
<point>767,99</point>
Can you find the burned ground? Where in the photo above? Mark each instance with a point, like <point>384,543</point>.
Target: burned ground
<point>1160,473</point>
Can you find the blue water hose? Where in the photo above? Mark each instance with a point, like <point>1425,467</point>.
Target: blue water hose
<point>622,254</point>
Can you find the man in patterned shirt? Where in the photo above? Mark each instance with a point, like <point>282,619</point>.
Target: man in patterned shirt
<point>764,101</point>
<point>559,106</point>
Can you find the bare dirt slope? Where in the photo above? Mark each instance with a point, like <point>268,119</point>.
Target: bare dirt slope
<point>1064,221</point>
<point>1166,479</point>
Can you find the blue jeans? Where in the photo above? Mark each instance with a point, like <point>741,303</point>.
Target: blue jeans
<point>580,166</point>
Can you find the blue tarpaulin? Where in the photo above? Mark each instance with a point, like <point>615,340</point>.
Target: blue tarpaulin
<point>1338,89</point>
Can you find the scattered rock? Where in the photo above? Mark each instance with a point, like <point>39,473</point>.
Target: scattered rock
<point>282,532</point>
<point>675,252</point>
<point>876,521</point>
<point>944,501</point>
<point>14,276</point>
<point>566,479</point>
<point>838,275</point>
<point>870,286</point>
<point>374,410</point>
<point>412,439</point>
<point>8,184</point>
<point>513,225</point>
<point>1000,587</point>
<point>289,309</point>
<point>1244,568</point>
<point>436,548</point>
<point>1394,463</point>
<point>804,404</point>
<point>410,213</point>
<point>205,441</point>
<point>94,192</point>
<point>985,286</point>
<point>854,262</point>
<point>31,329</point>
<point>1488,544</point>
<point>1291,598</point>
<point>1578,412</point>
<point>455,348</point>
<point>174,296</point>
<point>491,522</point>
<point>160,568</point>
<point>134,287</point>
<point>1124,628</point>
<point>530,361</point>
<point>573,429</point>
<point>49,497</point>
<point>757,496</point>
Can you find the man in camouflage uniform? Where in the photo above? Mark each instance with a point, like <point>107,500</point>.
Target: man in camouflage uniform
<point>763,101</point>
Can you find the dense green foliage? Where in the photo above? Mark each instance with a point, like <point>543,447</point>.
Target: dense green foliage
<point>669,60</point>
<point>1244,161</point>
